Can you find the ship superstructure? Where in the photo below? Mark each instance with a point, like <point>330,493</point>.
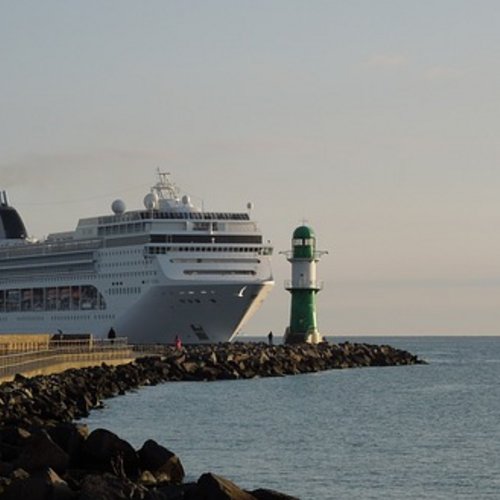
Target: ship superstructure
<point>149,275</point>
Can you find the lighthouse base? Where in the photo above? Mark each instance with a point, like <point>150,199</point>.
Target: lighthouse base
<point>309,337</point>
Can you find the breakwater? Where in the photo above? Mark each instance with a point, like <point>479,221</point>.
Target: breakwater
<point>38,429</point>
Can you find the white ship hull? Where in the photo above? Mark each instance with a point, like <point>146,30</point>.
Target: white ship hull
<point>159,316</point>
<point>148,275</point>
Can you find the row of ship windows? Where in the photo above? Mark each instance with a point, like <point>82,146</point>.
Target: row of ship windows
<point>62,298</point>
<point>156,214</point>
<point>73,317</point>
<point>125,290</point>
<point>114,253</point>
<point>123,275</point>
<point>194,301</point>
<point>125,263</point>
<point>144,227</point>
<point>220,272</point>
<point>257,250</point>
<point>70,277</point>
<point>122,229</point>
<point>61,317</point>
<point>195,215</point>
<point>206,238</point>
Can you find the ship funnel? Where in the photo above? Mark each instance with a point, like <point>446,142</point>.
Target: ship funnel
<point>11,224</point>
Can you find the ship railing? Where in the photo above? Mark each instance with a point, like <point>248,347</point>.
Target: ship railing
<point>147,215</point>
<point>49,248</point>
<point>87,345</point>
<point>63,351</point>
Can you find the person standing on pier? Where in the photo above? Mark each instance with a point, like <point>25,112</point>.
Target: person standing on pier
<point>178,343</point>
<point>270,338</point>
<point>112,335</point>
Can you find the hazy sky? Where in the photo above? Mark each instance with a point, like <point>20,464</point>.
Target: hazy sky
<point>378,122</point>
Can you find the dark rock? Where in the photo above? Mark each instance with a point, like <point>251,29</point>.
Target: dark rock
<point>213,487</point>
<point>263,494</point>
<point>19,474</point>
<point>147,478</point>
<point>159,460</point>
<point>109,487</point>
<point>186,491</point>
<point>41,485</point>
<point>18,378</point>
<point>209,373</point>
<point>14,435</point>
<point>9,452</point>
<point>6,468</point>
<point>70,438</point>
<point>41,452</point>
<point>105,451</point>
<point>84,404</point>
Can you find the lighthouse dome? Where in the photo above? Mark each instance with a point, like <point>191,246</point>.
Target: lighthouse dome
<point>304,233</point>
<point>303,243</point>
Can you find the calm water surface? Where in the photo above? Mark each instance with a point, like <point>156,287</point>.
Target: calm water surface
<point>428,431</point>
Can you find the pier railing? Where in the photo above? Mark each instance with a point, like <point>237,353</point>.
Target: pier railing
<point>64,351</point>
<point>145,349</point>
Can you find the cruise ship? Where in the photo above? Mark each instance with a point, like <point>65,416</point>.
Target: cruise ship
<point>170,269</point>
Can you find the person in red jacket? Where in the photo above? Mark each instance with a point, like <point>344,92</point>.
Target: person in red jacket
<point>178,343</point>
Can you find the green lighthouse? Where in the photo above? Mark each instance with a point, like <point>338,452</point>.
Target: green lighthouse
<point>303,286</point>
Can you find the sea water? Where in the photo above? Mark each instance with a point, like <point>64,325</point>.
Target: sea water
<point>409,432</point>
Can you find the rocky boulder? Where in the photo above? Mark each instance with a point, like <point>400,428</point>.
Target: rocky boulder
<point>104,451</point>
<point>263,494</point>
<point>213,487</point>
<point>161,462</point>
<point>70,438</point>
<point>110,487</point>
<point>41,485</point>
<point>40,453</point>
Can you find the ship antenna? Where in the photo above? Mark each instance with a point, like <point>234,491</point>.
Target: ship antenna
<point>163,176</point>
<point>165,185</point>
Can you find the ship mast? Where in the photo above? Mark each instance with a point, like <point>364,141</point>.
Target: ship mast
<point>165,188</point>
